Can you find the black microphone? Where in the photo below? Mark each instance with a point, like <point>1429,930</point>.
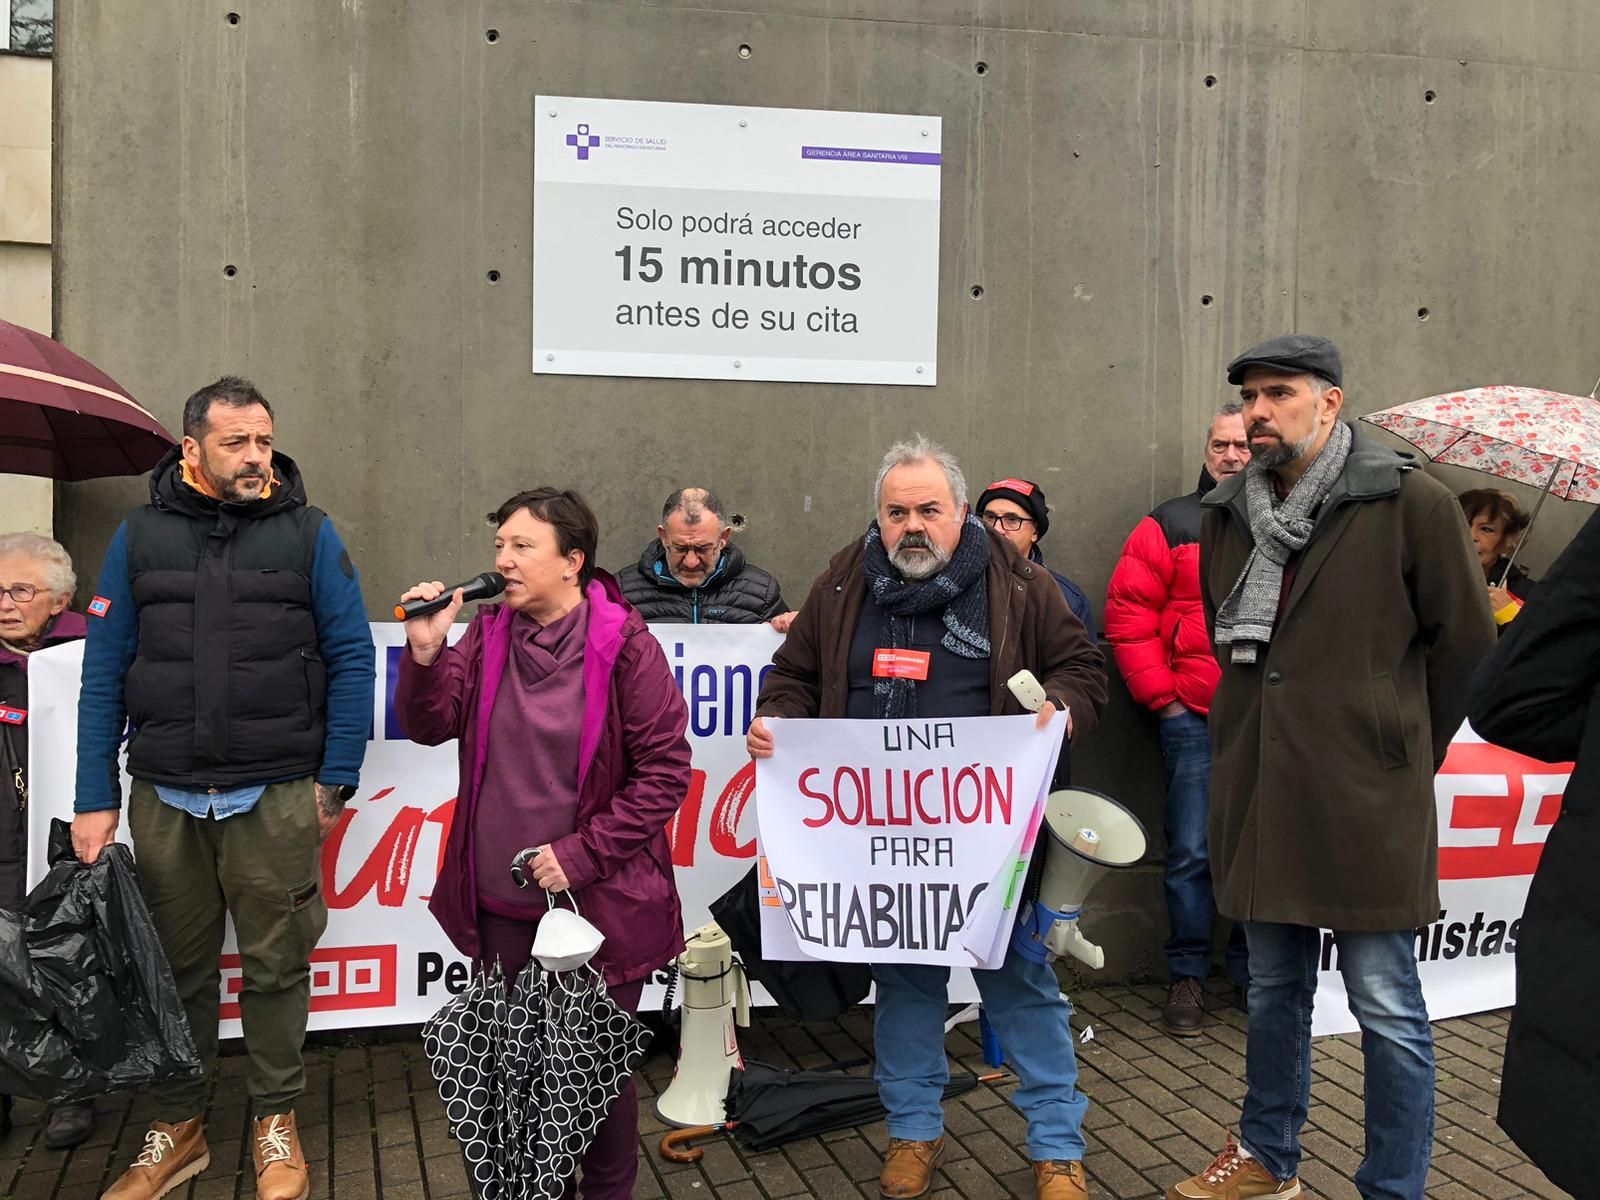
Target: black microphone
<point>479,587</point>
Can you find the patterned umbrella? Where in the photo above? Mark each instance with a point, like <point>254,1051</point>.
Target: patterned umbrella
<point>1549,440</point>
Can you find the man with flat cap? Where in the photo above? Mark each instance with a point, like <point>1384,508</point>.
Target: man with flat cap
<point>1345,604</point>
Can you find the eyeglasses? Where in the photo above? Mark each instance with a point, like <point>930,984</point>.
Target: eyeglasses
<point>21,593</point>
<point>1010,522</point>
<point>705,551</point>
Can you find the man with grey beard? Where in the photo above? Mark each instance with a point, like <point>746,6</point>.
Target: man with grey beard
<point>928,616</point>
<point>1345,602</point>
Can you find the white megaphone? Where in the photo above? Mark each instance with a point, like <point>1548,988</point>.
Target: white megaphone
<point>715,997</point>
<point>1089,834</point>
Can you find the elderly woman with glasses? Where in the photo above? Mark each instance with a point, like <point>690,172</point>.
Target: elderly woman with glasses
<point>36,585</point>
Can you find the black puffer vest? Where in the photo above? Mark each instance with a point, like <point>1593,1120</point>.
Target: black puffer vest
<point>228,686</point>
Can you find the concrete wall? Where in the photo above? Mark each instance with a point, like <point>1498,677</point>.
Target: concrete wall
<point>1141,189</point>
<point>25,243</point>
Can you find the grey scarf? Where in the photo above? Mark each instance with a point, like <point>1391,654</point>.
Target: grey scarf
<point>1281,530</point>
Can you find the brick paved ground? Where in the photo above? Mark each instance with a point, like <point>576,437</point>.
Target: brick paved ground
<point>373,1126</point>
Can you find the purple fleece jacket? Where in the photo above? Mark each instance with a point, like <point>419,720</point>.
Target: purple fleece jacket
<point>633,773</point>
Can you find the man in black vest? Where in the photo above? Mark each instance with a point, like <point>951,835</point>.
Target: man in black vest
<point>690,575</point>
<point>230,634</point>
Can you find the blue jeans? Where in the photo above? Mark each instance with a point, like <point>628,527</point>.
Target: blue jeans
<point>1024,1003</point>
<point>1186,752</point>
<point>1380,975</point>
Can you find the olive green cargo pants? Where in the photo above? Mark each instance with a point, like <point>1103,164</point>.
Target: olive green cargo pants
<point>263,868</point>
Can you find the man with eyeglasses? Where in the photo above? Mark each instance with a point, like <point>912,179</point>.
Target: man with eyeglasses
<point>691,575</point>
<point>1016,510</point>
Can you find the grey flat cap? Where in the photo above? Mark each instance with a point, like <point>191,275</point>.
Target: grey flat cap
<point>1293,354</point>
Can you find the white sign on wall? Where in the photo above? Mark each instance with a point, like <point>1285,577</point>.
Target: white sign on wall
<point>708,241</point>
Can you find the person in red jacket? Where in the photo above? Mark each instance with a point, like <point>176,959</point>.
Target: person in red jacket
<point>1157,629</point>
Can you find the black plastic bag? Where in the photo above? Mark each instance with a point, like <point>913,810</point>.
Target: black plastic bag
<point>87,1001</point>
<point>811,991</point>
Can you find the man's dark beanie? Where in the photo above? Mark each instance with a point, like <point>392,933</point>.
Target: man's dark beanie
<point>1029,495</point>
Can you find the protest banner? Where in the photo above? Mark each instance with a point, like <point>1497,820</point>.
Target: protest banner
<point>1495,812</point>
<point>899,841</point>
<point>708,241</point>
<point>384,961</point>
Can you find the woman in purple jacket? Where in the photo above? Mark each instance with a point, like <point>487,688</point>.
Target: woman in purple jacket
<point>572,740</point>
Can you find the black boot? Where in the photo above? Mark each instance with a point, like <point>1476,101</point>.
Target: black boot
<point>5,1115</point>
<point>69,1125</point>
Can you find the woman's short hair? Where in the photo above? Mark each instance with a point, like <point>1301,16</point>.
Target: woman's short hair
<point>1499,507</point>
<point>59,578</point>
<point>564,511</point>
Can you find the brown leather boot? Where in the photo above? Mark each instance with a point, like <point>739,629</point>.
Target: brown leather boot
<point>1060,1180</point>
<point>908,1168</point>
<point>172,1155</point>
<point>280,1166</point>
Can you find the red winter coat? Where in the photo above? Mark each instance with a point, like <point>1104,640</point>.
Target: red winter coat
<point>1154,618</point>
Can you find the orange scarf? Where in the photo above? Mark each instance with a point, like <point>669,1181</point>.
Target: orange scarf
<point>203,486</point>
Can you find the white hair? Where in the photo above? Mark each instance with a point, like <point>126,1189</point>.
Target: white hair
<point>915,449</point>
<point>59,578</point>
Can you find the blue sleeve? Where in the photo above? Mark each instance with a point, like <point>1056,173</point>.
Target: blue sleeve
<point>1083,609</point>
<point>345,640</point>
<point>107,654</point>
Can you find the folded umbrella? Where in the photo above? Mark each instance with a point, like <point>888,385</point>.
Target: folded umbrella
<point>63,418</point>
<point>769,1106</point>
<point>590,1047</point>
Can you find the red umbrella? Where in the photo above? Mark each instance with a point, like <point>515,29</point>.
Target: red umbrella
<point>62,418</point>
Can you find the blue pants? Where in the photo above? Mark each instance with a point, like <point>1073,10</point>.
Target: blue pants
<point>1024,1003</point>
<point>1186,752</point>
<point>1380,975</point>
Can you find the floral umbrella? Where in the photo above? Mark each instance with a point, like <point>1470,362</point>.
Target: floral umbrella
<point>1549,440</point>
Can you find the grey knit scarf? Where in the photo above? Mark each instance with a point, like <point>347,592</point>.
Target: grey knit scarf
<point>1281,530</point>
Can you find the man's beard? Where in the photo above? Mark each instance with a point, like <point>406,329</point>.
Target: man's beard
<point>917,566</point>
<point>1285,452</point>
<point>228,486</point>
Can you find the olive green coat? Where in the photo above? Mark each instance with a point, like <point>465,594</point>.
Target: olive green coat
<point>1324,750</point>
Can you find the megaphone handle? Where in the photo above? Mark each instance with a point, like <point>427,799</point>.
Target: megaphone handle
<point>741,997</point>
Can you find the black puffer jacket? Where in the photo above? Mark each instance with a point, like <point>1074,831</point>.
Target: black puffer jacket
<point>737,593</point>
<point>1539,694</point>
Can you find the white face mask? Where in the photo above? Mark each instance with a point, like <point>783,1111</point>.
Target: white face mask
<point>565,940</point>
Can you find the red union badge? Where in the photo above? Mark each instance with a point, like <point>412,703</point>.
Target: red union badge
<point>12,716</point>
<point>99,606</point>
<point>900,664</point>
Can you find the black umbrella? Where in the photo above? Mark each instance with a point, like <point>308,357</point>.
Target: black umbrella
<point>771,1106</point>
<point>811,990</point>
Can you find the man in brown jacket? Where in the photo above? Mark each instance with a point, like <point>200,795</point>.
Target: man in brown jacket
<point>1347,610</point>
<point>929,581</point>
